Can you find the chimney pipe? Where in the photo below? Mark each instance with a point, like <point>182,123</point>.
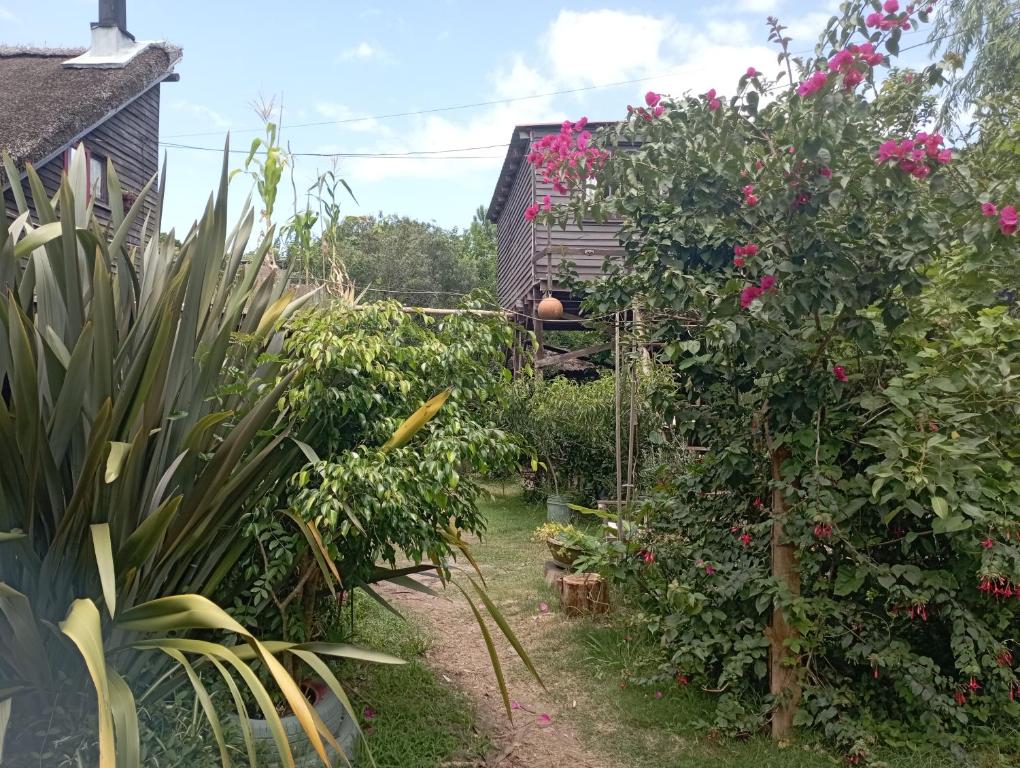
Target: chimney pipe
<point>113,14</point>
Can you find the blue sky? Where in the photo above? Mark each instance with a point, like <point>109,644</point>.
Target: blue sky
<point>332,61</point>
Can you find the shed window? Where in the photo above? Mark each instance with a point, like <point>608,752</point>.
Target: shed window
<point>95,171</point>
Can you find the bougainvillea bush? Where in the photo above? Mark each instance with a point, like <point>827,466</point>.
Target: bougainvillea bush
<point>835,288</point>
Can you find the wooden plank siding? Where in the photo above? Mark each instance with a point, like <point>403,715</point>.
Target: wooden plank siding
<point>525,249</point>
<point>130,139</point>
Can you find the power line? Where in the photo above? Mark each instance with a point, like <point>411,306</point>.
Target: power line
<point>433,110</point>
<point>424,154</point>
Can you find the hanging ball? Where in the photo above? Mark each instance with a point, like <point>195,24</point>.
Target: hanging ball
<point>550,308</point>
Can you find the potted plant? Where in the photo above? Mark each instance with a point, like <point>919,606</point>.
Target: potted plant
<point>566,543</point>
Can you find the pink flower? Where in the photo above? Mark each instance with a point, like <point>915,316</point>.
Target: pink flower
<point>546,203</point>
<point>959,697</point>
<point>812,85</point>
<point>758,503</point>
<point>874,19</point>
<point>709,569</point>
<point>658,694</point>
<point>681,679</point>
<point>580,124</point>
<point>531,212</point>
<point>1008,220</point>
<point>515,704</point>
<point>714,104</point>
<point>825,171</point>
<point>945,156</point>
<point>987,543</point>
<point>748,295</point>
<point>543,720</point>
<point>659,110</point>
<point>752,72</point>
<point>710,94</point>
<point>652,98</point>
<point>891,6</point>
<point>823,531</point>
<point>974,685</point>
<point>368,713</point>
<point>988,209</point>
<point>840,373</point>
<point>768,283</point>
<point>738,261</point>
<point>543,607</point>
<point>745,539</point>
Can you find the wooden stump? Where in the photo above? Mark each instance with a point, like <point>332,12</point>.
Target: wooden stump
<point>584,594</point>
<point>554,573</point>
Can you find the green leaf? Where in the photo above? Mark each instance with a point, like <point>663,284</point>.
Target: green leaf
<point>940,506</point>
<point>103,548</point>
<point>84,628</point>
<point>37,238</point>
<point>848,581</point>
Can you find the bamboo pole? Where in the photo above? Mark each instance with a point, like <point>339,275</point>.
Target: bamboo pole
<point>617,408</point>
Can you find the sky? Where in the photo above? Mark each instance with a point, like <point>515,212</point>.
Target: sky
<point>348,67</point>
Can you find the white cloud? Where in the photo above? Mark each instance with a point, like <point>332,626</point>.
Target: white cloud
<point>363,51</point>
<point>6,15</point>
<point>578,49</point>
<point>210,115</point>
<point>760,6</point>
<point>341,113</point>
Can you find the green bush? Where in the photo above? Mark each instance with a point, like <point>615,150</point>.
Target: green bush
<point>846,556</point>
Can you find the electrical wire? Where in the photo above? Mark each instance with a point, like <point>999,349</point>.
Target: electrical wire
<point>424,154</point>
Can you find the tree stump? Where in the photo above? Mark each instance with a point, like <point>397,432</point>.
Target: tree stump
<point>584,594</point>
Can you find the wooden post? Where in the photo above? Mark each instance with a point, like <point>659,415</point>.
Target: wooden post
<point>784,679</point>
<point>540,352</point>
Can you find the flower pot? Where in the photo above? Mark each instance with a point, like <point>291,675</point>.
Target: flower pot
<point>562,553</point>
<point>550,308</point>
<point>556,509</point>
<point>333,716</point>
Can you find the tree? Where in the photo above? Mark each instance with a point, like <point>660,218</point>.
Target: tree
<point>981,39</point>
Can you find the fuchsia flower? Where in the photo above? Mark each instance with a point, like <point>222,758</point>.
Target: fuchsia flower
<point>745,539</point>
<point>974,685</point>
<point>959,697</point>
<point>988,209</point>
<point>1005,658</point>
<point>1008,220</point>
<point>988,543</point>
<point>652,98</point>
<point>823,531</point>
<point>840,373</point>
<point>758,503</point>
<point>812,85</point>
<point>752,72</point>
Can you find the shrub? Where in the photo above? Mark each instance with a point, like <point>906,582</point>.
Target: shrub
<point>819,270</point>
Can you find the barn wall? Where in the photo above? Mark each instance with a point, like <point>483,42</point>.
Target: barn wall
<point>515,242</point>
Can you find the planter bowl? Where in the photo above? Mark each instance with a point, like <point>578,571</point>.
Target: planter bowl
<point>334,717</point>
<point>562,553</point>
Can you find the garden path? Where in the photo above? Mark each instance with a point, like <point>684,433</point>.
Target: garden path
<point>459,655</point>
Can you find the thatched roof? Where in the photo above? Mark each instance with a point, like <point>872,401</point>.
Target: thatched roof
<point>44,105</point>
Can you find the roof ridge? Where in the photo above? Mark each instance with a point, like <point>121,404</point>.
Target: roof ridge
<point>8,51</point>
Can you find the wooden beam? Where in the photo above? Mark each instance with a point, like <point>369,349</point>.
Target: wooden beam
<point>555,359</point>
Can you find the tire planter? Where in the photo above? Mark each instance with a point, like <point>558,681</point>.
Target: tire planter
<point>556,509</point>
<point>334,717</point>
<point>561,553</point>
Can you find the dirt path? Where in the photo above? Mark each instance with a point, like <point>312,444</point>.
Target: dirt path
<point>459,656</point>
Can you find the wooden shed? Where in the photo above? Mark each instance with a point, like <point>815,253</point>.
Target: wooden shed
<point>102,101</point>
<point>526,251</point>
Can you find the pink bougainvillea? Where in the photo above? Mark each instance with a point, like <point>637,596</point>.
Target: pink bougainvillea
<point>813,84</point>
<point>1008,220</point>
<point>713,102</point>
<point>917,156</point>
<point>751,292</point>
<point>749,197</point>
<point>840,373</point>
<point>853,63</point>
<point>566,159</point>
<point>752,72</point>
<point>988,209</point>
<point>652,98</point>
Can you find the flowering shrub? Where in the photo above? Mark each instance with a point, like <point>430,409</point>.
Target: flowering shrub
<point>846,556</point>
